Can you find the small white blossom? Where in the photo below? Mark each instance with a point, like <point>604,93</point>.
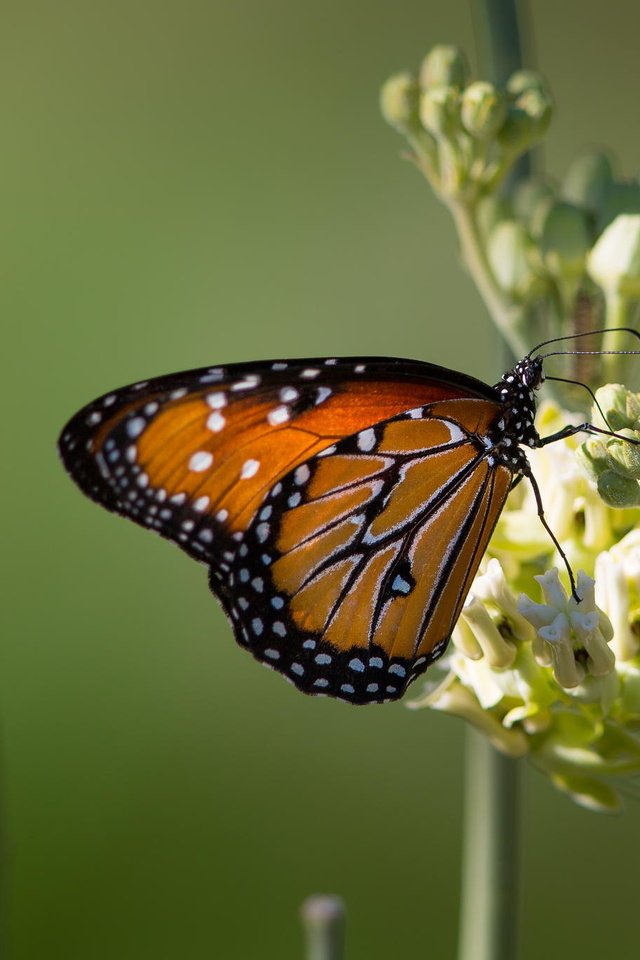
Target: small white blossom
<point>570,630</point>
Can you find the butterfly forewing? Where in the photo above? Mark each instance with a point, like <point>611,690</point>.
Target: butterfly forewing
<point>342,505</point>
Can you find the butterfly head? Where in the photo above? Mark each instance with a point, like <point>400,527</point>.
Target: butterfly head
<point>527,373</point>
<point>516,391</point>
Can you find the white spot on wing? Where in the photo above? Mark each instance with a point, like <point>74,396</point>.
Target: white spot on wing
<point>217,400</point>
<point>279,415</point>
<point>215,422</point>
<point>289,394</point>
<point>250,381</point>
<point>201,460</point>
<point>249,469</point>
<point>135,426</point>
<point>302,474</point>
<point>366,440</point>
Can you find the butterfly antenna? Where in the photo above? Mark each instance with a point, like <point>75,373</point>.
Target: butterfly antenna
<point>587,333</point>
<point>579,383</point>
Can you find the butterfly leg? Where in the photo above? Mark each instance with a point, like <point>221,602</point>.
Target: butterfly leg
<point>536,492</point>
<point>571,431</point>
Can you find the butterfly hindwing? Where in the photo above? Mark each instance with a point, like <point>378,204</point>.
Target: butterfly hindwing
<point>352,574</point>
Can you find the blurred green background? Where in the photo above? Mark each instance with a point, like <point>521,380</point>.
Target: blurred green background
<point>207,181</point>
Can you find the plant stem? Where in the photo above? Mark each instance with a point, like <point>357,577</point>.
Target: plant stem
<point>488,913</point>
<point>323,919</point>
<point>488,928</point>
<point>508,317</point>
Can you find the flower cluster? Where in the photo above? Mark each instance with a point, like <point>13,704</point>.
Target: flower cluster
<point>466,134</point>
<point>559,251</point>
<point>551,678</point>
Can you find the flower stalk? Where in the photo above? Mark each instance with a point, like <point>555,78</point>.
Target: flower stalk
<point>488,921</point>
<point>323,921</point>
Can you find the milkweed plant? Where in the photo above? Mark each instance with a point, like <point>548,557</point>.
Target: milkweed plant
<point>538,673</point>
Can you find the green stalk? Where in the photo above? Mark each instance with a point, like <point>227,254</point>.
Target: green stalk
<point>323,920</point>
<point>508,317</point>
<point>488,911</point>
<point>488,928</point>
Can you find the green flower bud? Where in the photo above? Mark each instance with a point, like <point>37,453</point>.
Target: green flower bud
<point>565,240</point>
<point>617,491</point>
<point>620,406</point>
<point>511,253</point>
<point>399,102</point>
<point>492,210</point>
<point>528,118</point>
<point>523,80</point>
<point>592,457</point>
<point>588,792</point>
<point>624,458</point>
<point>621,198</point>
<point>531,197</point>
<point>614,261</point>
<point>440,111</point>
<point>483,109</point>
<point>588,181</point>
<point>444,65</point>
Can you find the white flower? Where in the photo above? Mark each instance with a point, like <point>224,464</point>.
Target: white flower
<point>572,637</point>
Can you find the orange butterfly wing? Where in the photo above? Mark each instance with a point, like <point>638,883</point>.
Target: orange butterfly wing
<point>307,484</point>
<point>352,575</point>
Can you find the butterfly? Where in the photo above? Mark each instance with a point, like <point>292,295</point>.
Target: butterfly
<point>342,506</point>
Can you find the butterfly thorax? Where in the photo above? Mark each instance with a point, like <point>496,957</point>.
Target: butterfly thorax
<point>515,425</point>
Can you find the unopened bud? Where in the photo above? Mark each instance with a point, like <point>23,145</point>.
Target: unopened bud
<point>565,240</point>
<point>588,181</point>
<point>444,65</point>
<point>492,210</point>
<point>592,457</point>
<point>621,198</point>
<point>399,102</point>
<point>620,406</point>
<point>483,109</point>
<point>531,200</point>
<point>511,254</point>
<point>440,111</point>
<point>523,80</point>
<point>624,458</point>
<point>614,261</point>
<point>618,491</point>
<point>528,118</point>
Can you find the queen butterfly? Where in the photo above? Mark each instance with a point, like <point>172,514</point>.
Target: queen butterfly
<point>342,505</point>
